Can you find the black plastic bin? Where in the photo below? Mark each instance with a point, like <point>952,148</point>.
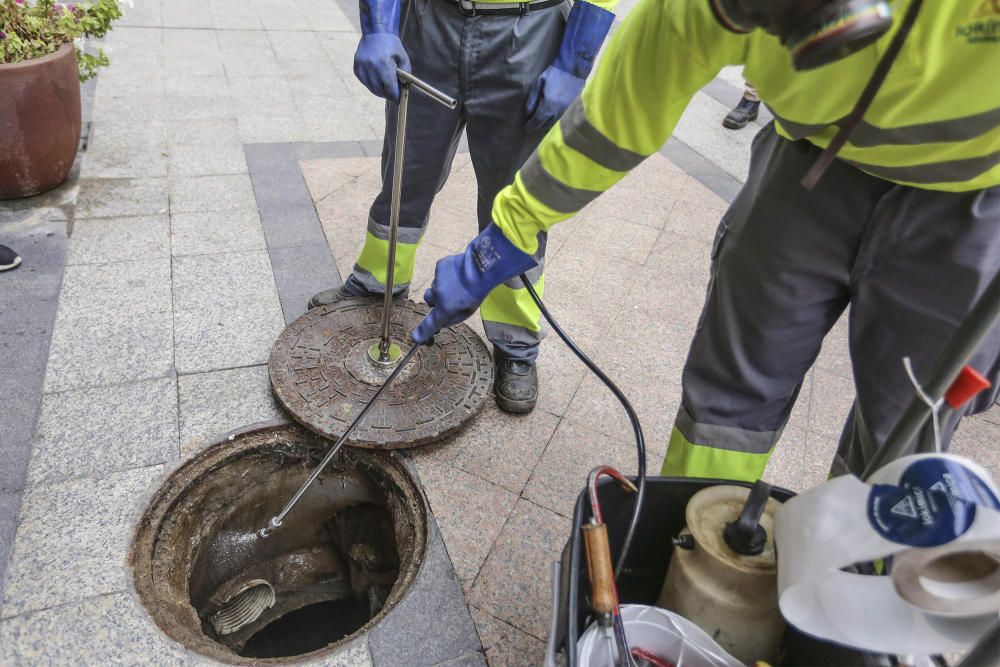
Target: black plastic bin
<point>641,579</point>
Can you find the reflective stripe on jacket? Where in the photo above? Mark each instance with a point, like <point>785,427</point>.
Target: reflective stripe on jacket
<point>934,124</point>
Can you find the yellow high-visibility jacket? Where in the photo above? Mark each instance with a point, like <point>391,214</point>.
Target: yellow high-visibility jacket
<point>934,124</point>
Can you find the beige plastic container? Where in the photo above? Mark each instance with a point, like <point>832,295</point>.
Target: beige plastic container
<point>732,597</point>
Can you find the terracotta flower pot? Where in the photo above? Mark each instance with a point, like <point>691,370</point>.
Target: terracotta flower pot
<point>39,123</point>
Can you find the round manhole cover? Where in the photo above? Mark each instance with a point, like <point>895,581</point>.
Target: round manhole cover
<point>321,374</point>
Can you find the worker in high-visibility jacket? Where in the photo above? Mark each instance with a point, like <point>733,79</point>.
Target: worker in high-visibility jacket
<point>903,224</point>
<point>514,67</point>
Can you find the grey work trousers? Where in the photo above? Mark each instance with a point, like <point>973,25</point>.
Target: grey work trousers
<point>910,263</point>
<point>488,63</point>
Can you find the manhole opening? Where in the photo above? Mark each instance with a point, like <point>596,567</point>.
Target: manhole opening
<point>345,555</point>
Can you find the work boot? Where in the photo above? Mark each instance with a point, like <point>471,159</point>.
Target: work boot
<point>515,384</point>
<point>744,112</point>
<point>326,297</point>
<point>8,258</point>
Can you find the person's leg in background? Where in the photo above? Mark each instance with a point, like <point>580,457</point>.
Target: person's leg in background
<point>8,258</point>
<point>432,35</point>
<point>745,111</point>
<point>779,281</point>
<point>919,271</point>
<point>503,57</point>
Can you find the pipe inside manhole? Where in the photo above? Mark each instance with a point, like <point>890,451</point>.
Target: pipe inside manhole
<point>347,553</point>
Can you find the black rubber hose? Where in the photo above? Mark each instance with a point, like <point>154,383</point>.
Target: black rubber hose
<point>640,443</point>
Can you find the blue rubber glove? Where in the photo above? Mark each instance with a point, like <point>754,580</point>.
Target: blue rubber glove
<point>462,281</point>
<point>563,80</point>
<point>380,51</point>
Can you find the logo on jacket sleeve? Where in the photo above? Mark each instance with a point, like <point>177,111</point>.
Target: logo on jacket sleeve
<point>985,25</point>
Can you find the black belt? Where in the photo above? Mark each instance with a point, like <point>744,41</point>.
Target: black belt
<point>472,8</point>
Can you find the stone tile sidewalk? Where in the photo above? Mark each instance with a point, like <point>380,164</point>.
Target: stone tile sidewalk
<point>174,283</point>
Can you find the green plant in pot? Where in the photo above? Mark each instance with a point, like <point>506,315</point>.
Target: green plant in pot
<point>40,73</point>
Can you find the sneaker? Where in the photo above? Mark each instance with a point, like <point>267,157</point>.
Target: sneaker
<point>515,384</point>
<point>8,259</point>
<point>744,112</point>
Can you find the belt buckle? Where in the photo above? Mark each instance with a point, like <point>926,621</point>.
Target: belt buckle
<point>523,7</point>
<point>467,7</point>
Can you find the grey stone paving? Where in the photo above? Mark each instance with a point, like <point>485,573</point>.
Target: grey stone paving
<point>229,171</point>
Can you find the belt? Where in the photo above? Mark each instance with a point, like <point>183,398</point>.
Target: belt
<point>473,8</point>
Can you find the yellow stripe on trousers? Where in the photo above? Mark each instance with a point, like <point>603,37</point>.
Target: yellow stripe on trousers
<point>688,459</point>
<point>375,254</point>
<point>513,306</point>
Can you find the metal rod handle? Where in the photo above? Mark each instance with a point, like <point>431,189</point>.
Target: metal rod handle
<point>426,88</point>
<point>953,357</point>
<point>405,81</point>
<point>276,521</point>
<point>397,186</point>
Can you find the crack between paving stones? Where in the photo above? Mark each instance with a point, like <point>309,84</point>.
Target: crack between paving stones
<point>458,660</point>
<point>61,605</point>
<point>120,471</point>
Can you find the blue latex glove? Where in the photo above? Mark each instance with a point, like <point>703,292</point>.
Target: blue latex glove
<point>462,281</point>
<point>563,80</point>
<point>380,51</point>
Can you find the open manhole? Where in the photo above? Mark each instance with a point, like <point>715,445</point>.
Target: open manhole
<point>345,555</point>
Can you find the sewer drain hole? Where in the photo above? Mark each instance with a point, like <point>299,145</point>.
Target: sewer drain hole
<point>300,600</point>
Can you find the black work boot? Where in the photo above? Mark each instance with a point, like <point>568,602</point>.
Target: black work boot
<point>326,297</point>
<point>515,384</point>
<point>744,112</point>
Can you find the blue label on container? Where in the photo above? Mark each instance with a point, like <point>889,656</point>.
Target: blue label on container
<point>934,503</point>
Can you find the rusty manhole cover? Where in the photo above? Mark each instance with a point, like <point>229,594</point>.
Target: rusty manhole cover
<point>321,374</point>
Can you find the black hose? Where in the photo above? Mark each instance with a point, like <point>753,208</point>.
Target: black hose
<point>640,443</point>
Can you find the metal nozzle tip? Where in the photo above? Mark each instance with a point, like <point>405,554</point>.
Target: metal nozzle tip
<point>263,533</point>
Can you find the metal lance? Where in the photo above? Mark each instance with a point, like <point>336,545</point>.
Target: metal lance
<point>385,352</point>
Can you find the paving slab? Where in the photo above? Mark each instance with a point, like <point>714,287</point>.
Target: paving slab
<point>214,232</point>
<point>124,159</point>
<point>832,399</point>
<point>28,300</point>
<point>978,439</point>
<point>107,289</point>
<point>91,350</point>
<point>835,355</point>
<point>10,507</point>
<point>497,447</point>
<point>73,539</point>
<point>560,374</point>
<point>613,237</point>
<point>212,404</point>
<point>505,645</point>
<point>240,335</point>
<point>696,211</point>
<point>572,452</point>
<point>207,160</point>
<point>514,585</point>
<point>470,512</point>
<point>102,240</point>
<point>102,630</point>
<point>432,624</point>
<point>119,197</point>
<point>786,467</point>
<point>95,432</point>
<point>299,273</point>
<point>643,197</point>
<point>193,107</point>
<point>210,193</point>
<point>203,132</point>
